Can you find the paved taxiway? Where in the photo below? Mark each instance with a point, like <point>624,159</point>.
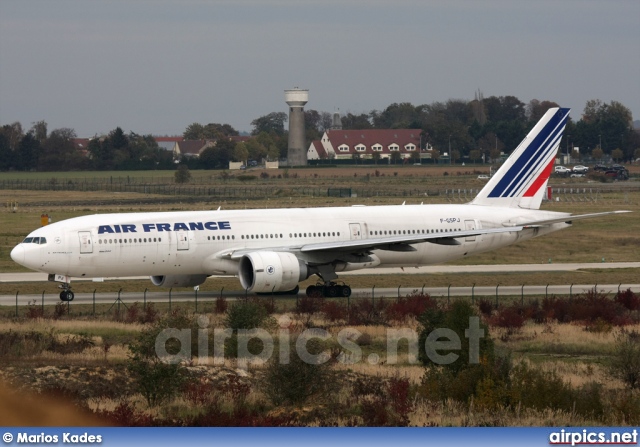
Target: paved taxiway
<point>162,295</point>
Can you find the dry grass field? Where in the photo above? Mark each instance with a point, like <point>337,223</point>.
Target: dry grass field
<point>84,361</point>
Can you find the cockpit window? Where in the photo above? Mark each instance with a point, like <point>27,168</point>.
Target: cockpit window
<point>35,240</point>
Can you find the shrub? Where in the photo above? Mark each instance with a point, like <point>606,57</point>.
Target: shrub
<point>149,314</point>
<point>335,311</point>
<point>61,309</point>
<point>366,312</point>
<point>625,361</point>
<point>34,311</point>
<point>125,415</point>
<point>628,299</point>
<point>485,307</point>
<point>510,318</point>
<point>245,315</point>
<point>132,315</point>
<point>457,318</point>
<point>221,305</point>
<point>412,305</point>
<point>297,380</point>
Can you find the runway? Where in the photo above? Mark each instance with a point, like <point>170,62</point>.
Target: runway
<point>425,270</point>
<point>495,292</point>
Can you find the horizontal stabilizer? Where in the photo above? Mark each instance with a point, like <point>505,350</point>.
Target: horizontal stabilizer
<point>566,219</point>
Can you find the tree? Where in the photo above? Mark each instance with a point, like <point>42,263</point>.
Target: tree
<point>597,153</point>
<point>28,153</point>
<point>182,175</point>
<point>355,122</point>
<point>397,116</point>
<point>271,123</point>
<point>240,152</point>
<point>455,155</point>
<point>536,109</point>
<point>617,154</point>
<point>475,155</point>
<point>39,130</point>
<point>59,152</point>
<point>6,154</point>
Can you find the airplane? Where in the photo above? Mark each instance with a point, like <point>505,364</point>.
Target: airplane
<point>272,250</point>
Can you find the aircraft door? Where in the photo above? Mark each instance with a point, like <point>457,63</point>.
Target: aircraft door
<point>355,230</point>
<point>470,225</point>
<point>183,240</point>
<point>86,245</point>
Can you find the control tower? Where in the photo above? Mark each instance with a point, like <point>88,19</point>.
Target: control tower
<point>297,152</point>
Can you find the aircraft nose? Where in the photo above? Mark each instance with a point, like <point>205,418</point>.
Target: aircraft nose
<point>17,254</point>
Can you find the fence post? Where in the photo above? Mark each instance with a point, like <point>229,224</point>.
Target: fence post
<point>170,290</point>
<point>571,292</point>
<point>17,304</point>
<point>522,296</point>
<point>449,295</point>
<point>373,296</point>
<point>43,303</point>
<point>145,299</point>
<point>94,302</point>
<point>473,298</point>
<point>196,292</point>
<point>398,300</point>
<point>423,286</point>
<point>497,295</point>
<point>546,292</point>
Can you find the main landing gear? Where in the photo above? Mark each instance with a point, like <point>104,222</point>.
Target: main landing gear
<point>329,290</point>
<point>66,294</point>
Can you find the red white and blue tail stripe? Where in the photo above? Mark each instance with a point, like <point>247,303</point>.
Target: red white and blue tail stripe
<point>521,180</point>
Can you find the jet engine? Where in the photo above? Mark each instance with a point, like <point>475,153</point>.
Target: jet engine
<point>178,280</point>
<point>268,271</point>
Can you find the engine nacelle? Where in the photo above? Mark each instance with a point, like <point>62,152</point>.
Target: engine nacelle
<point>178,280</point>
<point>268,271</point>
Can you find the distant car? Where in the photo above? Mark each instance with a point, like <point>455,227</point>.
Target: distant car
<point>600,168</point>
<point>483,177</point>
<point>562,170</point>
<point>579,169</point>
<point>618,174</point>
<point>576,174</point>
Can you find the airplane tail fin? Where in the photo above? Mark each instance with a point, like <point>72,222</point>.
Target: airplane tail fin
<point>522,179</point>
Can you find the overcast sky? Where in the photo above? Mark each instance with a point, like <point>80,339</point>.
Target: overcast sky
<point>158,66</point>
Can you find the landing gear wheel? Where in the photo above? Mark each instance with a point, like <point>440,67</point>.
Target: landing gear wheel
<point>314,291</point>
<point>67,295</point>
<point>330,291</point>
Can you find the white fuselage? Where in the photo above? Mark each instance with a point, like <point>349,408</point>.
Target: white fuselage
<point>195,243</point>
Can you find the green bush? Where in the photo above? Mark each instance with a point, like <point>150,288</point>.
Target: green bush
<point>245,315</point>
<point>625,361</point>
<point>297,380</point>
<point>457,318</point>
<point>156,379</point>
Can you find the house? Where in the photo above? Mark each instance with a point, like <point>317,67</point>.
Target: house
<point>191,148</point>
<point>168,143</point>
<point>345,144</point>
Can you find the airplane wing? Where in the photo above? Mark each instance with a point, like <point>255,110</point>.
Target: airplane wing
<point>395,243</point>
<point>567,219</point>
